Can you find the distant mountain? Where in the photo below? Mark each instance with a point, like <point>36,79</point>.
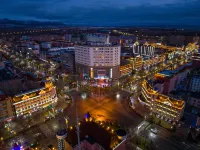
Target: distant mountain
<point>29,23</point>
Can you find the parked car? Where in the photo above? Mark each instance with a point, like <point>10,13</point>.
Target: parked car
<point>154,130</point>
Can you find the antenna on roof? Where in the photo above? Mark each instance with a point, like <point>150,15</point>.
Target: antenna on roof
<point>77,130</point>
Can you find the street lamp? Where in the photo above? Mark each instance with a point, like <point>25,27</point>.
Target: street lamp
<point>118,95</point>
<point>66,120</point>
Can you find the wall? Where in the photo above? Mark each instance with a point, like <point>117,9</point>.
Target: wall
<point>194,101</point>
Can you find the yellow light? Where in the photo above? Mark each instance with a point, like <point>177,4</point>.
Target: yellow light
<point>79,123</point>
<point>71,127</point>
<point>90,119</point>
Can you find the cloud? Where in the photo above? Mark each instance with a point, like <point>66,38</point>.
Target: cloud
<point>105,12</point>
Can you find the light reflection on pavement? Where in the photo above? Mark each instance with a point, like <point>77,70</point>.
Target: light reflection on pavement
<point>108,108</point>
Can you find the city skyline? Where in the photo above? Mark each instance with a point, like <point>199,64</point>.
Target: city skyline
<point>105,13</point>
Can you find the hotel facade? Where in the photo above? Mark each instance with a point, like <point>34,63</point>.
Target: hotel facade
<point>162,105</point>
<point>98,61</point>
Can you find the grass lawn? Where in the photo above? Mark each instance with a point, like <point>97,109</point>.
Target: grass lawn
<point>143,143</point>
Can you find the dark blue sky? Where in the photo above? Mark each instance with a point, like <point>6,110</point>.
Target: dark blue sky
<point>105,12</point>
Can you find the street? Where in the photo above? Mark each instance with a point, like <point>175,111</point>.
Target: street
<point>166,140</point>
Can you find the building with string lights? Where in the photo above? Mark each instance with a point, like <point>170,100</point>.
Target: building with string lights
<point>126,69</point>
<point>33,100</point>
<point>162,105</point>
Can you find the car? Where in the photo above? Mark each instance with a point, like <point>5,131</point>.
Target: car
<point>154,130</point>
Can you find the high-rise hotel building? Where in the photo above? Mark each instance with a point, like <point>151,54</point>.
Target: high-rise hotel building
<point>98,61</point>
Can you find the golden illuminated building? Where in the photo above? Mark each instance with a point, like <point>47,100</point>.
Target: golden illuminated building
<point>125,69</point>
<point>31,101</point>
<point>161,46</point>
<point>161,104</point>
<point>137,62</point>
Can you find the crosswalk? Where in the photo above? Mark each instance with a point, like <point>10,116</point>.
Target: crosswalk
<point>45,129</point>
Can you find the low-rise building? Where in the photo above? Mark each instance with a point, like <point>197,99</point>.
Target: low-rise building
<point>196,60</point>
<point>137,63</point>
<point>195,84</point>
<point>98,38</point>
<point>67,59</point>
<point>194,99</point>
<point>169,80</point>
<point>46,45</point>
<point>126,69</point>
<point>6,111</point>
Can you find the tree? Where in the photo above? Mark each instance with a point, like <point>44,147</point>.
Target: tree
<point>151,120</point>
<point>159,122</point>
<point>174,128</point>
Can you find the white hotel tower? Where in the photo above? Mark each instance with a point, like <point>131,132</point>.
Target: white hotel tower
<point>98,62</point>
<point>98,59</point>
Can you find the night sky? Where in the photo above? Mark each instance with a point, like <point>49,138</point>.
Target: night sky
<point>105,12</point>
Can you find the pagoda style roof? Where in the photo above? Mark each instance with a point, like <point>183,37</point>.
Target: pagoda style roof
<point>178,104</point>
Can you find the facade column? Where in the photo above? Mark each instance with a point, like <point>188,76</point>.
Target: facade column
<point>145,50</point>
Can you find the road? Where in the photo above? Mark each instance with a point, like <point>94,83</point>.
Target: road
<point>166,140</point>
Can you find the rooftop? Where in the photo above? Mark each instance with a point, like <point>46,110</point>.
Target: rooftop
<point>93,133</point>
<point>96,45</point>
<point>5,74</point>
<point>2,96</point>
<point>170,73</point>
<point>195,95</point>
<point>179,104</point>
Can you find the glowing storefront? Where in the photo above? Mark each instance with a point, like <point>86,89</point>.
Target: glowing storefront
<point>161,104</point>
<point>31,101</point>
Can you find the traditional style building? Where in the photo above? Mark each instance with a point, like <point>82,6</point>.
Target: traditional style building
<point>162,105</point>
<point>126,69</point>
<point>31,101</point>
